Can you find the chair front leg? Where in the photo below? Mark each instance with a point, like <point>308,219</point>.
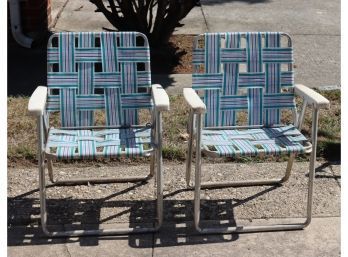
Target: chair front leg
<point>190,148</point>
<point>42,181</point>
<point>311,174</point>
<point>153,139</point>
<point>159,169</point>
<point>197,193</point>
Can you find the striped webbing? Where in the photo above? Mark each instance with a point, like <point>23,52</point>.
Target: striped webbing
<point>98,71</point>
<point>253,142</point>
<point>258,90</point>
<point>89,144</point>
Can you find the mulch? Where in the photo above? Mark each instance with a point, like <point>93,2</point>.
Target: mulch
<point>175,57</point>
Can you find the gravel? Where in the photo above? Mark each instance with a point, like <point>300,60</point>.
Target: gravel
<point>134,202</point>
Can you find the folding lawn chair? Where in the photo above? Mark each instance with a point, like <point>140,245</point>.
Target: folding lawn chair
<point>109,73</point>
<point>251,73</point>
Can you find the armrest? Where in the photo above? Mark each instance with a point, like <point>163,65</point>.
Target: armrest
<point>160,98</point>
<point>194,101</point>
<point>311,96</point>
<point>37,101</point>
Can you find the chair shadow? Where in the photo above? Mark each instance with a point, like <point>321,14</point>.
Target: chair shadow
<point>177,229</point>
<point>321,172</point>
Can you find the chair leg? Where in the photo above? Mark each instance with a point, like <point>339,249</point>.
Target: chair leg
<point>197,186</point>
<point>261,228</point>
<point>246,229</point>
<point>311,174</point>
<point>189,151</point>
<point>153,156</point>
<point>153,164</point>
<point>206,185</point>
<point>95,232</point>
<point>50,171</point>
<point>159,171</point>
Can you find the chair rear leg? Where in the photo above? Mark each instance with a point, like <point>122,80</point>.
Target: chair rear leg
<point>288,169</point>
<point>50,171</point>
<point>153,164</point>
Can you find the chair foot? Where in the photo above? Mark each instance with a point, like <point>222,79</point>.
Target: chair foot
<point>100,232</point>
<point>205,185</point>
<point>251,229</point>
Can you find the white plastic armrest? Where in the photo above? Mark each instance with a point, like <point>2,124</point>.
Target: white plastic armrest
<point>194,101</point>
<point>37,101</point>
<point>160,98</point>
<point>312,97</point>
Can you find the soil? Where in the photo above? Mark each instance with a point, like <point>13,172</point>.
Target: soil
<point>175,57</point>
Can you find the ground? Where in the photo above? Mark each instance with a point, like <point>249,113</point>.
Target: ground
<point>178,56</point>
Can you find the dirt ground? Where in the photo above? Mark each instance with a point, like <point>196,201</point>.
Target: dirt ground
<point>134,202</point>
<point>177,55</point>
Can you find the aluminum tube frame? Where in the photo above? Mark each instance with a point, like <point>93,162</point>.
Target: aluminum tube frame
<point>206,185</point>
<point>189,148</point>
<point>153,138</point>
<point>265,182</point>
<point>100,232</point>
<point>260,228</point>
<point>93,180</point>
<point>301,115</point>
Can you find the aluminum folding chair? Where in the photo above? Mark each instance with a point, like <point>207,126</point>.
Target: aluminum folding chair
<point>251,73</point>
<point>107,72</point>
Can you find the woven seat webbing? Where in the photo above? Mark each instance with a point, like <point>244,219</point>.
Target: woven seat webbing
<point>269,141</point>
<point>87,144</point>
<point>224,83</point>
<point>83,87</point>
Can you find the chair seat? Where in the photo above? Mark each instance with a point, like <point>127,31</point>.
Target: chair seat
<point>91,144</point>
<point>254,142</point>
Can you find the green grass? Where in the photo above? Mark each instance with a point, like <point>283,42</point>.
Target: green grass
<point>22,130</point>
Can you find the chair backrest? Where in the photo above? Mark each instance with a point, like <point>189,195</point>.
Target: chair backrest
<point>249,72</point>
<point>90,71</point>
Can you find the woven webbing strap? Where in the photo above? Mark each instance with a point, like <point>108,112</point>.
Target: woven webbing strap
<point>88,144</point>
<point>98,71</point>
<point>252,142</point>
<point>224,83</point>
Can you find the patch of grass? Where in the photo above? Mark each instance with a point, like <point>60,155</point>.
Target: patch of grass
<point>21,131</point>
<point>329,131</point>
<point>22,142</point>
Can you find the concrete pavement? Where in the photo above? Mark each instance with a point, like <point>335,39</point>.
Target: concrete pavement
<point>321,238</point>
